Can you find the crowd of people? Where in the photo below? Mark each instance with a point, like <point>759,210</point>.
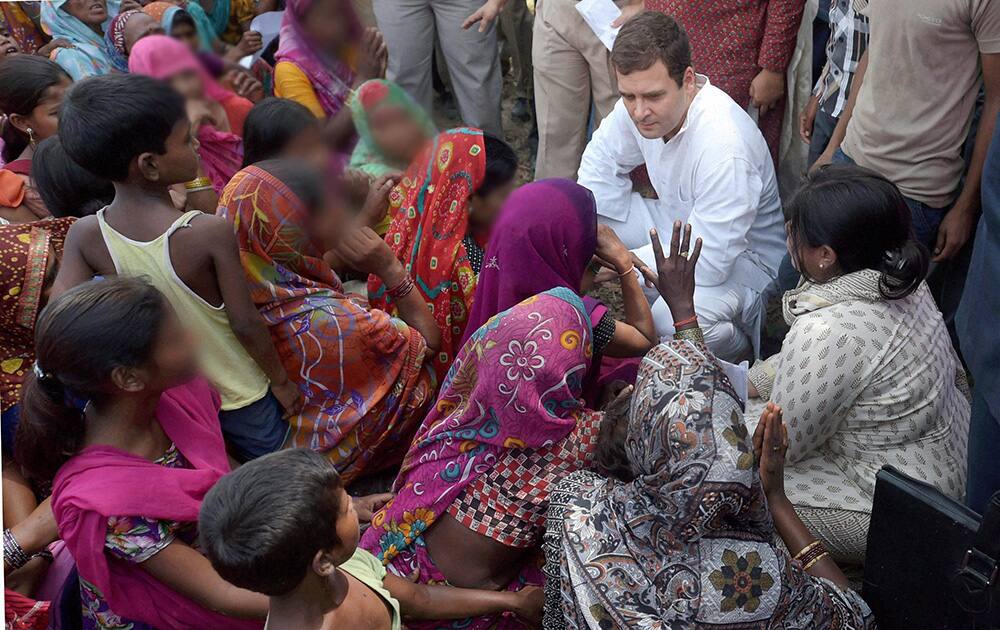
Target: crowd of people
<point>280,350</point>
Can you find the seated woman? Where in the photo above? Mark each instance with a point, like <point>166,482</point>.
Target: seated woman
<point>188,25</point>
<point>281,128</point>
<point>392,128</point>
<point>33,89</point>
<point>217,114</point>
<point>82,25</point>
<point>453,191</point>
<point>508,424</point>
<point>66,188</point>
<point>323,54</point>
<point>30,253</point>
<point>867,374</point>
<point>690,542</point>
<point>544,239</point>
<point>361,371</point>
<point>147,424</point>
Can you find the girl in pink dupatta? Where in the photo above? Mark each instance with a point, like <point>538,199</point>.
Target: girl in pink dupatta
<point>132,468</point>
<point>508,423</point>
<point>217,114</point>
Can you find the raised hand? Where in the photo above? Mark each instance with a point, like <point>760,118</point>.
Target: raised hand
<point>374,56</point>
<point>611,252</point>
<point>674,277</point>
<point>364,251</point>
<point>377,199</point>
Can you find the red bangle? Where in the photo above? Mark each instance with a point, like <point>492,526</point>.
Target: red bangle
<point>686,322</point>
<point>403,289</point>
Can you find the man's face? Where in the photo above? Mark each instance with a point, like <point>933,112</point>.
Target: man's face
<point>653,99</point>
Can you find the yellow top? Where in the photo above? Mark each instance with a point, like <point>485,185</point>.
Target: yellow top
<point>291,83</point>
<point>223,359</point>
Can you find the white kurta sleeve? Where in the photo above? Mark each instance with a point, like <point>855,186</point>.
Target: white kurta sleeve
<point>815,383</point>
<point>726,201</point>
<point>612,153</point>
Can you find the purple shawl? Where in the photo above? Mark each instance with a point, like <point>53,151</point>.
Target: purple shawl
<point>331,78</point>
<point>544,238</point>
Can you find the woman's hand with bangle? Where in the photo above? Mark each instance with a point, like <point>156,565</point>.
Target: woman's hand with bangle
<point>674,277</point>
<point>611,252</point>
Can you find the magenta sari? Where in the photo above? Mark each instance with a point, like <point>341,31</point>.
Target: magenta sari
<point>515,384</point>
<point>102,481</point>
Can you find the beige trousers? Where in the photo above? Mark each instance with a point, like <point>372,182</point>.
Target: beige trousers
<point>572,70</point>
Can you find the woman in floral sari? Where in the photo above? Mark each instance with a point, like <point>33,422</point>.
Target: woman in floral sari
<point>361,371</point>
<point>508,423</point>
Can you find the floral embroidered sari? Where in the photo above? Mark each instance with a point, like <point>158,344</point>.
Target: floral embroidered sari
<point>689,542</point>
<point>430,220</point>
<point>515,385</point>
<point>362,372</point>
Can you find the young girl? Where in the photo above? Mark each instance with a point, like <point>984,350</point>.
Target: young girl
<point>33,89</point>
<point>453,191</point>
<point>323,54</point>
<point>216,114</point>
<point>282,128</point>
<point>131,469</point>
<point>82,24</point>
<point>392,128</point>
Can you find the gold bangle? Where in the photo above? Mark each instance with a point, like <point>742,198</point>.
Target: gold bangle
<point>815,560</point>
<point>806,549</point>
<point>198,182</point>
<point>198,189</point>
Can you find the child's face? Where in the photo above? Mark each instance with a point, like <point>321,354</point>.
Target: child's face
<point>348,529</point>
<point>180,161</point>
<point>484,210</point>
<point>397,134</point>
<point>187,35</point>
<point>8,45</point>
<point>44,119</point>
<point>189,84</point>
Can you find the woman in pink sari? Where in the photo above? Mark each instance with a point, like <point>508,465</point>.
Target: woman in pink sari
<point>472,493</point>
<point>131,469</point>
<point>217,115</point>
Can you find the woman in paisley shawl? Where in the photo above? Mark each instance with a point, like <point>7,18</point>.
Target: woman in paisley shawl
<point>689,542</point>
<point>508,424</point>
<point>449,196</point>
<point>361,371</point>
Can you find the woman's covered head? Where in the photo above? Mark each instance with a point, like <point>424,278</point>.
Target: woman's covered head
<point>320,200</point>
<point>184,30</point>
<point>84,354</point>
<point>846,218</point>
<point>391,121</point>
<point>33,89</point>
<point>138,26</point>
<point>90,12</point>
<point>167,59</point>
<point>68,189</point>
<point>498,183</point>
<point>282,128</point>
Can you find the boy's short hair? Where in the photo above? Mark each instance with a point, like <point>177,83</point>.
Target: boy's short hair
<point>649,37</point>
<point>106,122</point>
<point>262,524</point>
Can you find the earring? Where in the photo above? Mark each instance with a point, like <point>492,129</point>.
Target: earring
<point>31,136</point>
<point>821,265</point>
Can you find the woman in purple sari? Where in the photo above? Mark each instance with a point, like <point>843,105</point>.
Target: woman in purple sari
<point>547,236</point>
<point>508,424</point>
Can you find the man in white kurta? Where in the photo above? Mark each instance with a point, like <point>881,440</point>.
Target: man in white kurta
<point>713,171</point>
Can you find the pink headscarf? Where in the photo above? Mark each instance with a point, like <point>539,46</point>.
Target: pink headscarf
<point>102,481</point>
<point>331,78</point>
<point>163,57</point>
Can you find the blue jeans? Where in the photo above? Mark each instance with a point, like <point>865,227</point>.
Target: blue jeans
<point>926,219</point>
<point>983,475</point>
<point>257,429</point>
<point>823,127</point>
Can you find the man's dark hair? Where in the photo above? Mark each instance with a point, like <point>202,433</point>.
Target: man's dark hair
<point>262,524</point>
<point>106,122</point>
<point>649,37</point>
<point>501,165</point>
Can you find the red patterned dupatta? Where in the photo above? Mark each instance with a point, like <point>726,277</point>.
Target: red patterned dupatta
<point>430,220</point>
<point>25,249</point>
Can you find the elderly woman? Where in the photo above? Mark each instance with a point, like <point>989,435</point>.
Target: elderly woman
<point>867,375</point>
<point>689,541</point>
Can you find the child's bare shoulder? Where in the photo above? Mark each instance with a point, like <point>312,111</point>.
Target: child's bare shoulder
<point>207,231</point>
